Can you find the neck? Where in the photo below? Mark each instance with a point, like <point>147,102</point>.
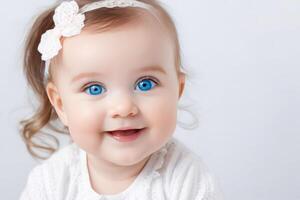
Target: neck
<point>106,177</point>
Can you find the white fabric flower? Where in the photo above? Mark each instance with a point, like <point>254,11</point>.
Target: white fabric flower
<point>68,22</point>
<point>50,44</point>
<point>67,19</point>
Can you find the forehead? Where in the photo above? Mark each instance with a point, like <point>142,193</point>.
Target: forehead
<point>143,43</point>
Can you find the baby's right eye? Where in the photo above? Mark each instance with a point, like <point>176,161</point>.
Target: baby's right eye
<point>94,89</point>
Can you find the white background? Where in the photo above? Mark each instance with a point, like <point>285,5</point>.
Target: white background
<point>244,57</point>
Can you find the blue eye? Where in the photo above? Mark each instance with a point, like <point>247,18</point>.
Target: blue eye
<point>94,89</point>
<point>146,84</point>
<point>143,85</point>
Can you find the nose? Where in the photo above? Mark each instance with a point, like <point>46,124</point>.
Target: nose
<point>123,106</point>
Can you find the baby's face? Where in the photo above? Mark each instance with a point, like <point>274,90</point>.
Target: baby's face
<point>109,80</point>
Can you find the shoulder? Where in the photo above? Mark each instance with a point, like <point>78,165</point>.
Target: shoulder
<point>61,161</point>
<point>188,176</point>
<point>46,178</point>
<point>65,156</point>
<point>180,158</point>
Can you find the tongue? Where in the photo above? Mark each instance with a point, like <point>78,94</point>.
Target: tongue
<point>123,133</point>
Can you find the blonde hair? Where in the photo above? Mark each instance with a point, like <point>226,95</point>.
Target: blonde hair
<point>33,66</point>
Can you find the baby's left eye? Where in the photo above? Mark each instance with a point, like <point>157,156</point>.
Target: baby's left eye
<point>146,84</point>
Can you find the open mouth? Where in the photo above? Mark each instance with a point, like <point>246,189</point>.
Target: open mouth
<point>126,135</point>
<point>124,132</point>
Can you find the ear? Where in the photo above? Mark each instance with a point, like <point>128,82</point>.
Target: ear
<point>56,102</point>
<point>181,83</point>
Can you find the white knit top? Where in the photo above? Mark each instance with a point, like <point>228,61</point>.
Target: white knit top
<point>173,172</point>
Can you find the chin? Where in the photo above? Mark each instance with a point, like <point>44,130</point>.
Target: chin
<point>127,161</point>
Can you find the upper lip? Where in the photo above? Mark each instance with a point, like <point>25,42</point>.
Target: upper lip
<point>124,128</point>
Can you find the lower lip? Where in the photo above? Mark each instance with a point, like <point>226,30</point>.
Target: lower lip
<point>127,138</point>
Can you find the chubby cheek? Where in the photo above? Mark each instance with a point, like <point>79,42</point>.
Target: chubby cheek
<point>161,117</point>
<point>85,125</point>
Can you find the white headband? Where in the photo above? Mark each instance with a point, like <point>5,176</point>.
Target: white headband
<point>69,20</point>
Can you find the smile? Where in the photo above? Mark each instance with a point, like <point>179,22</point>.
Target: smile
<point>126,135</point>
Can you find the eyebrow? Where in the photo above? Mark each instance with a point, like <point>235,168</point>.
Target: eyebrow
<point>153,68</point>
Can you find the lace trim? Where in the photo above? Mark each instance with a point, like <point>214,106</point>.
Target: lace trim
<point>141,184</point>
<point>158,160</point>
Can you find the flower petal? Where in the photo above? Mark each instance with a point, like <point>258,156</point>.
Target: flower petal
<point>50,44</point>
<point>75,27</point>
<point>65,13</point>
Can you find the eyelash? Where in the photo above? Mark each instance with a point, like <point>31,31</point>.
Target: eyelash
<point>155,80</point>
